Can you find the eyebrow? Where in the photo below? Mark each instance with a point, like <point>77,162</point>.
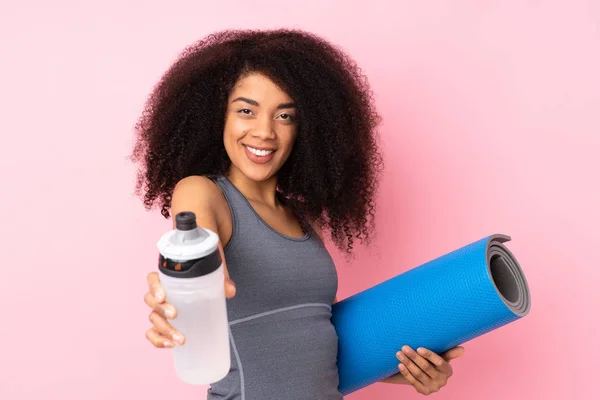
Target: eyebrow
<point>255,103</point>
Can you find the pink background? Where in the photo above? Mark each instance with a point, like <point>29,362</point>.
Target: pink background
<point>491,125</point>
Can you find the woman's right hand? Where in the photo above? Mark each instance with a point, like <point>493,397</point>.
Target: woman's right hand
<point>162,334</point>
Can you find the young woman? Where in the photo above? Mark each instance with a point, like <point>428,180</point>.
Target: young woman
<point>269,137</point>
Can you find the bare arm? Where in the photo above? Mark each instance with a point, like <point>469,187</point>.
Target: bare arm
<point>200,196</point>
<point>398,379</point>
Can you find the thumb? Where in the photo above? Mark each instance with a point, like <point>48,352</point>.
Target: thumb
<point>229,285</point>
<point>229,288</point>
<point>453,353</point>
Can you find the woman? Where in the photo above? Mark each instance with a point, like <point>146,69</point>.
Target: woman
<point>269,137</point>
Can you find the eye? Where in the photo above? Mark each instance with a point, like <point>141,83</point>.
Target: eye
<point>245,111</point>
<point>286,117</point>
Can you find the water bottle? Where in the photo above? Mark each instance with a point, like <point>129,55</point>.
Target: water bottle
<point>191,274</point>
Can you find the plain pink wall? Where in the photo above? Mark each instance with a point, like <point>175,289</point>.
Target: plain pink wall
<point>491,125</point>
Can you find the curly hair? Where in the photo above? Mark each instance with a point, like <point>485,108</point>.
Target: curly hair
<point>332,174</point>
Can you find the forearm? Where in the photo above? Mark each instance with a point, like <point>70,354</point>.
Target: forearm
<point>398,379</point>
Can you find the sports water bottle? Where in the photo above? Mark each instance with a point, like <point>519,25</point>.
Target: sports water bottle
<point>191,274</point>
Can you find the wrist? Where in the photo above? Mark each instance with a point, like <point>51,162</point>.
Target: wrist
<point>397,379</point>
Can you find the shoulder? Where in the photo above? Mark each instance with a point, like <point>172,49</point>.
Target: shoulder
<point>202,196</point>
<point>194,189</point>
<point>197,186</point>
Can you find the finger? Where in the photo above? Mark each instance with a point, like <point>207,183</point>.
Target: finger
<point>166,310</point>
<point>225,269</point>
<point>230,288</point>
<point>155,287</point>
<point>453,353</point>
<point>166,330</point>
<point>414,369</point>
<point>440,363</point>
<point>157,339</point>
<point>413,381</point>
<point>425,366</point>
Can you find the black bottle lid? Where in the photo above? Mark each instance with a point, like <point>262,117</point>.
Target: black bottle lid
<point>185,221</point>
<point>190,268</point>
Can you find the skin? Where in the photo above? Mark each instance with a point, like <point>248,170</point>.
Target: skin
<point>261,115</point>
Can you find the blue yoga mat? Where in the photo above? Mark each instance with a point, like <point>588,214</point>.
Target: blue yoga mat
<point>438,305</point>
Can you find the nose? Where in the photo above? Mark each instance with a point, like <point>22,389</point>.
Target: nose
<point>263,129</point>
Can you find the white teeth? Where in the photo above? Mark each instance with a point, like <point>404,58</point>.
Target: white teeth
<point>260,153</point>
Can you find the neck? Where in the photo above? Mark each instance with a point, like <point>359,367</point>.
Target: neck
<point>263,192</point>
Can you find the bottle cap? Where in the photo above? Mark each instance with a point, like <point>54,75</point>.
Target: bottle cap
<point>185,221</point>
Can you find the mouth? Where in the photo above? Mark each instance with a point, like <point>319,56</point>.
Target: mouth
<point>260,151</point>
<point>259,155</point>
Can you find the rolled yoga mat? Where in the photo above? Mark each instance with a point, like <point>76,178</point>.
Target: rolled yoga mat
<point>438,305</point>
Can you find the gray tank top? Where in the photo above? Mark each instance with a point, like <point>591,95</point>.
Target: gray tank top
<point>283,344</point>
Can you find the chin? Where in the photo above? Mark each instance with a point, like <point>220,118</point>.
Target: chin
<point>256,173</point>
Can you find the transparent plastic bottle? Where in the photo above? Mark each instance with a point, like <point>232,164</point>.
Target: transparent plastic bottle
<point>191,274</point>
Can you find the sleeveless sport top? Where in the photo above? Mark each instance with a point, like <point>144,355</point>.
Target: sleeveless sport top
<point>283,344</point>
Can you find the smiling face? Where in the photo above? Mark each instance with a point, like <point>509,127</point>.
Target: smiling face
<point>260,127</point>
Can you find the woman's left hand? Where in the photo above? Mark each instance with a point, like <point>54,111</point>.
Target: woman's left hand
<point>426,370</point>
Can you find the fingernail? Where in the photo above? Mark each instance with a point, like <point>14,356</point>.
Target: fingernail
<point>178,338</point>
<point>158,296</point>
<point>169,312</point>
<point>421,350</point>
<point>166,343</point>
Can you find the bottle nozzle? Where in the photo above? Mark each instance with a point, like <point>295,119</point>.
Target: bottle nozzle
<point>187,228</point>
<point>185,221</point>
